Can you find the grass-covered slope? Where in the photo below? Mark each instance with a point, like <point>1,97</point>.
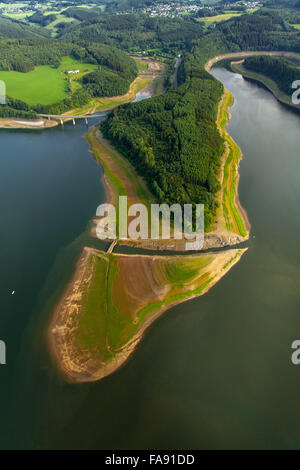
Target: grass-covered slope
<point>36,74</point>
<point>230,215</point>
<point>44,84</point>
<point>112,299</point>
<point>16,29</point>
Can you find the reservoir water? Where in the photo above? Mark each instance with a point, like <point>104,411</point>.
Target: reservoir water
<point>215,372</point>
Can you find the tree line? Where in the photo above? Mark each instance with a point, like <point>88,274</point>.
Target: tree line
<point>137,32</point>
<point>282,71</point>
<point>172,139</point>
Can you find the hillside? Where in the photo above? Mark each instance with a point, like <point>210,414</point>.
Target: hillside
<point>136,33</point>
<point>16,29</point>
<point>265,29</point>
<point>28,66</point>
<point>173,140</point>
<point>282,71</point>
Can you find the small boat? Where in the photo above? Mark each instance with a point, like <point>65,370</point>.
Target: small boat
<point>13,292</point>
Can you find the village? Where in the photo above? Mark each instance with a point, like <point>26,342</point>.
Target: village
<point>174,8</point>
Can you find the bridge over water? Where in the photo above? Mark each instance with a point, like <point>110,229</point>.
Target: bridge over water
<point>64,117</point>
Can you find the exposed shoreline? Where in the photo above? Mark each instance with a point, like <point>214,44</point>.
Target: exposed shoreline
<point>63,337</point>
<point>44,123</point>
<point>218,237</point>
<point>266,81</point>
<point>220,223</point>
<point>22,123</point>
<point>239,55</point>
<point>67,360</point>
<point>143,81</point>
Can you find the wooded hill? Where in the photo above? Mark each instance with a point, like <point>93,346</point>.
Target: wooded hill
<point>265,29</point>
<point>172,139</point>
<point>16,29</point>
<point>137,32</point>
<point>282,71</point>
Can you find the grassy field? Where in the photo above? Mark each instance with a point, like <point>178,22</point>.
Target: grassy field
<point>60,19</point>
<point>68,63</point>
<point>18,16</point>
<point>91,325</point>
<point>141,65</point>
<point>120,175</point>
<point>20,11</point>
<point>216,19</point>
<point>14,10</point>
<point>113,298</point>
<point>100,154</point>
<point>231,214</point>
<point>296,26</point>
<point>226,16</point>
<point>44,84</point>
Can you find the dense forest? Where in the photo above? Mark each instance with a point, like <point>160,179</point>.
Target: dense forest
<point>17,109</point>
<point>42,20</point>
<point>282,71</point>
<point>137,32</point>
<point>16,29</point>
<point>24,54</point>
<point>172,139</point>
<point>81,14</point>
<point>105,83</point>
<point>264,30</point>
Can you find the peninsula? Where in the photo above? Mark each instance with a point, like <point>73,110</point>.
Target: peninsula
<point>113,298</point>
<point>173,148</point>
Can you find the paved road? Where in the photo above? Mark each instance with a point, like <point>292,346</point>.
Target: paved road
<point>63,116</point>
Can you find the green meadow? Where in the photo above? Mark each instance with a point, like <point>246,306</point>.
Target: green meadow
<point>68,63</point>
<point>60,19</point>
<point>227,15</point>
<point>45,84</point>
<point>216,19</point>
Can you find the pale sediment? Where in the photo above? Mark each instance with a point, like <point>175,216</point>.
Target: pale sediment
<point>219,236</point>
<point>15,123</point>
<point>147,293</point>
